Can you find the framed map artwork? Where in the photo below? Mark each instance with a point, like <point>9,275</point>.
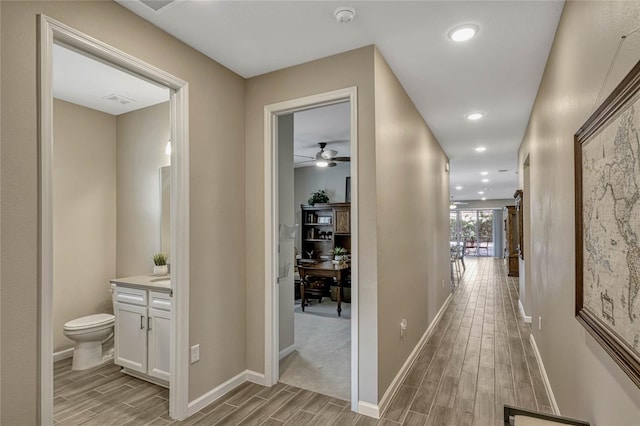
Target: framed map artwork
<point>607,167</point>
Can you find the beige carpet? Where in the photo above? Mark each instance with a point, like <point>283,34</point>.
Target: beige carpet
<point>322,361</point>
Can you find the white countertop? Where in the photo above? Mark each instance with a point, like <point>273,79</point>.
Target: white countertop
<point>150,282</point>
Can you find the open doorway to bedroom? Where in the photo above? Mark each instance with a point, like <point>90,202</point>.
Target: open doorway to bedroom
<point>311,341</point>
<point>315,303</point>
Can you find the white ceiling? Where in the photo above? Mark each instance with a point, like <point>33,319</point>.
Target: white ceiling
<point>330,124</point>
<point>85,81</point>
<point>497,72</point>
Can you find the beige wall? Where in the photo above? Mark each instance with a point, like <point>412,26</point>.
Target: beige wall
<point>217,155</point>
<point>354,68</point>
<point>413,223</point>
<point>389,222</point>
<point>84,214</point>
<point>142,139</point>
<point>587,383</point>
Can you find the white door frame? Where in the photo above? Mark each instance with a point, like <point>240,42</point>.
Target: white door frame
<point>271,113</point>
<point>50,30</point>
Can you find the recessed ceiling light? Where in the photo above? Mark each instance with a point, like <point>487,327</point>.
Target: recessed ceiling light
<point>484,173</point>
<point>484,198</point>
<point>458,188</point>
<point>463,32</point>
<point>480,192</point>
<point>452,206</point>
<point>485,180</point>
<point>473,116</point>
<point>481,149</point>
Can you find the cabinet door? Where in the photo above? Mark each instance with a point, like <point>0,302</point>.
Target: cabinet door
<point>343,222</point>
<point>131,336</point>
<point>159,336</point>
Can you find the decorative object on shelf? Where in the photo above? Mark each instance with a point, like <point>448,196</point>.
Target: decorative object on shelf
<point>607,169</point>
<point>339,253</point>
<point>324,220</point>
<point>318,197</point>
<point>160,262</point>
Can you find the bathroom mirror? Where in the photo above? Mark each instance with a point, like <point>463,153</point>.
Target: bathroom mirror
<point>165,202</point>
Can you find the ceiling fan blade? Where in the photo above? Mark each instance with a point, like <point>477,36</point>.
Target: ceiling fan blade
<point>341,159</point>
<point>304,156</point>
<point>331,164</point>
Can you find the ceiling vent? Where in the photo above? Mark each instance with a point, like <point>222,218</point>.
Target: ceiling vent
<point>119,98</point>
<point>503,170</point>
<point>156,5</point>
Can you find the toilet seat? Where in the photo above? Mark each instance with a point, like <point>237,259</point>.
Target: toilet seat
<point>89,321</point>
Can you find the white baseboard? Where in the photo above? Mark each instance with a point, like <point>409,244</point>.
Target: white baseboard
<point>63,354</point>
<point>376,411</point>
<point>219,391</point>
<point>523,313</point>
<point>545,378</point>
<point>253,377</point>
<point>287,351</point>
<point>368,409</point>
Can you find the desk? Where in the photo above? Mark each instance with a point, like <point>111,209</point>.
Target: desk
<point>323,269</point>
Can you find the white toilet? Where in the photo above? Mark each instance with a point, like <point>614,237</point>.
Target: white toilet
<point>93,336</point>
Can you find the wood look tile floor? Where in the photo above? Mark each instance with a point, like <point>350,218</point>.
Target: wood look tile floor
<point>477,359</point>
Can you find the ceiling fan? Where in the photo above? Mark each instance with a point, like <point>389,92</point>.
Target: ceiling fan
<point>326,158</point>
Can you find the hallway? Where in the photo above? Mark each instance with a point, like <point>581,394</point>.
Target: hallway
<point>478,358</point>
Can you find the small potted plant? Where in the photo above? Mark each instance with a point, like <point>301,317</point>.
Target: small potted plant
<point>160,262</point>
<point>318,197</point>
<point>339,253</point>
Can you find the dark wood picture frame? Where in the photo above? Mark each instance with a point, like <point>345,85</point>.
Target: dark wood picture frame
<point>626,94</point>
<point>520,209</point>
<point>347,190</point>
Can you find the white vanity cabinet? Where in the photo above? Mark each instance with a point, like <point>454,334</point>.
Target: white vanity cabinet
<point>142,330</point>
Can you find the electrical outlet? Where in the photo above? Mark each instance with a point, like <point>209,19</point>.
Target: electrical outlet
<point>195,353</point>
<point>403,327</point>
<point>539,323</point>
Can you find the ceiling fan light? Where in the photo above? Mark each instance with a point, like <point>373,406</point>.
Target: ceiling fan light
<point>322,163</point>
<point>329,154</point>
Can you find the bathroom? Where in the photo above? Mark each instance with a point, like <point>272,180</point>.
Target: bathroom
<point>111,154</point>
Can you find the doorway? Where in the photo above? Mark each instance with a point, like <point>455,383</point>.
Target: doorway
<point>314,191</point>
<point>50,33</point>
<point>273,266</point>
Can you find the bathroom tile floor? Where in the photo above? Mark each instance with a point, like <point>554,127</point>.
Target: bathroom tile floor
<point>478,358</point>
